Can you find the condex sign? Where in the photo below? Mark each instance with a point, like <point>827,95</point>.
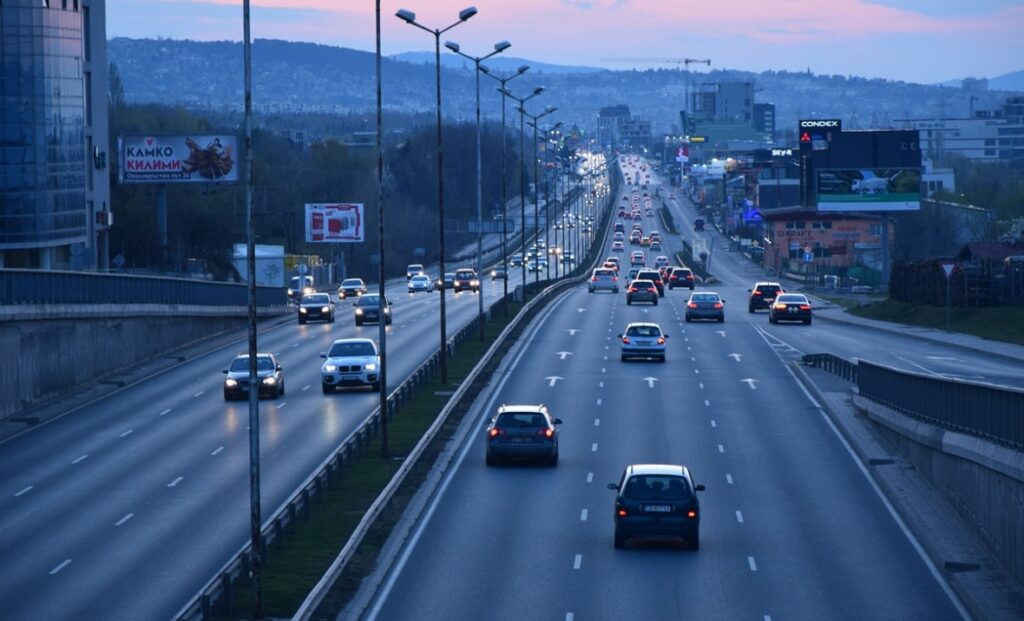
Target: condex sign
<point>178,159</point>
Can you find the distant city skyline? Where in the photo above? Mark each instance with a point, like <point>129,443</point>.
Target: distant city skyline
<point>924,41</point>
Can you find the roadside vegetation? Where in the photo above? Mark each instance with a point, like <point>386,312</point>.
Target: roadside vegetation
<point>1000,323</point>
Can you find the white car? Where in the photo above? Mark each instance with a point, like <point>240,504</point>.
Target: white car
<point>643,340</point>
<point>421,282</point>
<point>350,362</point>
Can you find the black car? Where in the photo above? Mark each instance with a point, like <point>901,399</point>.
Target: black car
<point>271,378</point>
<point>316,306</point>
<point>681,277</point>
<point>762,294</point>
<point>498,273</point>
<point>655,277</point>
<point>656,501</point>
<point>351,288</point>
<point>368,310</point>
<point>466,280</point>
<point>522,432</point>
<point>447,282</point>
<point>790,307</point>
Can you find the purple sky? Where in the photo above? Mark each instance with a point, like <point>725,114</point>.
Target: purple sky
<point>914,40</point>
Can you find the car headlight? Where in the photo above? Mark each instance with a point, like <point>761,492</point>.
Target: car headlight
<point>325,309</point>
<point>270,380</point>
<point>290,292</point>
<point>387,310</point>
<point>359,311</point>
<point>230,383</point>
<point>330,368</point>
<point>302,310</point>
<point>370,366</point>
<point>474,283</point>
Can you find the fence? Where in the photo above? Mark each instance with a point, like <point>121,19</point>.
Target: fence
<point>984,283</point>
<point>994,413</point>
<point>20,286</point>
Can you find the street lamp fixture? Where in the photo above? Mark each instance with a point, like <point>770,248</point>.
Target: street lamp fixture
<point>536,186</point>
<point>522,170</point>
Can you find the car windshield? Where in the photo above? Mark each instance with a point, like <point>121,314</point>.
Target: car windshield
<point>704,297</point>
<point>656,487</point>
<point>353,348</point>
<point>462,275</point>
<point>241,364</point>
<point>605,273</point>
<point>318,298</point>
<point>649,275</point>
<point>521,419</point>
<point>415,267</point>
<point>768,289</point>
<point>369,300</point>
<point>792,298</point>
<point>420,279</point>
<point>650,331</point>
<point>352,282</point>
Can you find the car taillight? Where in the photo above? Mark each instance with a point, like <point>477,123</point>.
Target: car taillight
<point>691,305</point>
<point>689,277</point>
<point>805,307</point>
<point>757,293</point>
<point>718,305</point>
<point>615,278</point>
<point>651,290</point>
<point>594,279</point>
<point>661,340</point>
<point>625,340</point>
<point>780,306</point>
<point>495,432</point>
<point>632,289</point>
<point>691,514</point>
<point>547,433</point>
<point>622,512</point>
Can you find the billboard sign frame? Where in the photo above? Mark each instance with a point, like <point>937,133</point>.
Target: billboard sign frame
<point>334,223</point>
<point>869,189</point>
<point>178,159</point>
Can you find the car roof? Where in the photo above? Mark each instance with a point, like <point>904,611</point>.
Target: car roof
<point>258,355</point>
<point>767,283</point>
<point>633,324</point>
<point>508,407</point>
<point>667,469</point>
<point>353,340</point>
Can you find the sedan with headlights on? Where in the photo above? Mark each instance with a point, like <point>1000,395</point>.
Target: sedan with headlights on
<point>351,288</point>
<point>420,283</point>
<point>270,377</point>
<point>316,306</point>
<point>368,310</point>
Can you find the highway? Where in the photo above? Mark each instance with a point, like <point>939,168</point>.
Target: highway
<point>124,508</point>
<point>792,527</point>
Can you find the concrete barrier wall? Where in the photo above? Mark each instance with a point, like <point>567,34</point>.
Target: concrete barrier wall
<point>49,352</point>
<point>982,481</point>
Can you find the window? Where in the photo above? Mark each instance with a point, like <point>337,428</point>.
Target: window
<point>821,225</point>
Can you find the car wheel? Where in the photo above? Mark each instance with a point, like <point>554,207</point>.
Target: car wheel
<point>301,321</point>
<point>282,388</point>
<point>721,320</point>
<point>695,541</point>
<point>620,540</point>
<point>553,460</point>
<point>376,386</point>
<point>624,357</point>
<point>655,301</point>
<point>807,321</point>
<point>750,309</point>
<point>661,358</point>
<point>615,290</point>
<point>689,319</point>
<point>629,302</point>
<point>490,460</point>
<point>227,397</point>
<point>589,290</point>
<point>359,322</point>
<point>327,388</point>
<point>772,319</point>
<point>389,321</point>
<point>661,294</point>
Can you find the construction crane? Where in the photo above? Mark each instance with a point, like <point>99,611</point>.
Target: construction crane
<point>686,62</point>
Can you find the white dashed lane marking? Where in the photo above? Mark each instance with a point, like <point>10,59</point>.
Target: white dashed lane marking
<point>60,567</point>
<point>739,517</point>
<point>218,450</point>
<point>590,477</point>
<point>728,479</point>
<point>24,491</point>
<point>713,423</point>
<point>721,449</point>
<point>753,565</point>
<point>127,432</point>
<point>583,515</point>
<point>593,447</point>
<point>175,482</point>
<point>165,412</point>
<point>577,561</point>
<point>199,394</point>
<point>79,459</point>
<point>124,519</point>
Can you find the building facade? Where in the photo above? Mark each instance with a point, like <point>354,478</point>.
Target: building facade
<point>990,136</point>
<point>54,184</point>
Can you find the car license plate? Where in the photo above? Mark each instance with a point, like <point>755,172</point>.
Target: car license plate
<point>521,439</point>
<point>792,309</point>
<point>658,508</point>
<point>769,300</point>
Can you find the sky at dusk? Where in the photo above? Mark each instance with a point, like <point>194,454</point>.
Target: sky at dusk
<point>914,40</point>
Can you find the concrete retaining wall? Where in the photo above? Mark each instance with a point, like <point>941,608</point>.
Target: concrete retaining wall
<point>50,351</point>
<point>982,481</point>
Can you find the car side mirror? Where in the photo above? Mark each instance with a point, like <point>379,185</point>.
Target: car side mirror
<point>700,488</point>
<point>278,367</point>
<point>225,371</point>
<point>558,421</point>
<point>323,354</point>
<point>665,335</point>
<point>749,290</point>
<point>613,486</point>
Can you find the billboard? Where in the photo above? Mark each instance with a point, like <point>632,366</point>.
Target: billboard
<point>334,222</point>
<point>178,159</point>
<point>876,189</point>
<point>269,264</point>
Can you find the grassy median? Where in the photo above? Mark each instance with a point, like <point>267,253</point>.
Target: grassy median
<point>295,564</point>
<point>1000,323</point>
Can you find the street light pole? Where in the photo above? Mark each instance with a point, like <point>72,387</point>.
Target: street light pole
<point>504,177</point>
<point>522,168</point>
<point>547,201</point>
<point>534,118</point>
<point>498,48</point>
<point>410,18</point>
<point>382,333</point>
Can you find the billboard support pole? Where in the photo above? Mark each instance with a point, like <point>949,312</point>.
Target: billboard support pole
<point>885,251</point>
<point>161,223</point>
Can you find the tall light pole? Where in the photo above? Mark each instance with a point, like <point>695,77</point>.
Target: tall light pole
<point>536,187</point>
<point>382,333</point>
<point>504,177</point>
<point>255,510</point>
<point>522,167</point>
<point>499,47</point>
<point>410,18</point>
<point>547,201</point>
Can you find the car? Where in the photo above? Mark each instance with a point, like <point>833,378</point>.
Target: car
<point>414,269</point>
<point>617,246</point>
<point>637,259</point>
<point>655,246</point>
<point>268,372</point>
<point>568,257</point>
<point>445,283</point>
<point>316,306</point>
<point>645,241</point>
<point>611,265</point>
<point>532,267</point>
<point>637,217</point>
<point>681,277</point>
<point>656,501</point>
<point>631,275</point>
<point>466,280</point>
<point>655,277</point>
<point>622,213</point>
<point>351,288</point>
<point>498,273</point>
<point>603,279</point>
<point>620,228</point>
<point>762,294</point>
<point>705,305</point>
<point>516,260</point>
<point>522,432</point>
<point>613,259</point>
<point>588,228</point>
<point>368,310</point>
<point>698,225</point>
<point>635,237</point>
<point>300,286</point>
<point>350,362</point>
<point>618,236</point>
<point>421,282</point>
<point>641,290</point>
<point>661,261</point>
<point>655,236</point>
<point>790,307</point>
<point>642,340</point>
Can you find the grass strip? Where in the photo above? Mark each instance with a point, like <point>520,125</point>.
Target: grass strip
<point>294,565</point>
<point>998,323</point>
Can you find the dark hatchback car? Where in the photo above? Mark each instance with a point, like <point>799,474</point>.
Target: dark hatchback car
<point>655,277</point>
<point>368,309</point>
<point>271,377</point>
<point>522,432</point>
<point>762,294</point>
<point>316,306</point>
<point>641,290</point>
<point>656,501</point>
<point>681,277</point>
<point>790,307</point>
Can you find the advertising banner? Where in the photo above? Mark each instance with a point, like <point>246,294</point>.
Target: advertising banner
<point>879,189</point>
<point>269,264</point>
<point>334,222</point>
<point>178,159</point>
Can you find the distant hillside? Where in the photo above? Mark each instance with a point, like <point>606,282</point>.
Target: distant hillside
<point>501,63</point>
<point>1008,82</point>
<point>305,77</point>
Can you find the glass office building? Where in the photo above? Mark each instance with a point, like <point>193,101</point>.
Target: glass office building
<point>48,164</point>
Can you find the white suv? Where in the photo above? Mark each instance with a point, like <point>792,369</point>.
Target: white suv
<point>603,278</point>
<point>350,362</point>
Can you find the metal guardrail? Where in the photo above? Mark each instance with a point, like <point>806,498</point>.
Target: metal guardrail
<point>994,413</point>
<point>21,286</point>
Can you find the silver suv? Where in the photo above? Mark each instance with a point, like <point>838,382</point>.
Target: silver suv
<point>603,279</point>
<point>350,362</point>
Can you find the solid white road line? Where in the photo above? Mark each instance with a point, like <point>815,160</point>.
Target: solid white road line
<point>175,482</point>
<point>728,479</point>
<point>753,565</point>
<point>24,491</point>
<point>218,450</point>
<point>79,459</point>
<point>124,519</point>
<point>739,517</point>
<point>577,561</point>
<point>127,432</point>
<point>60,567</point>
<point>583,515</point>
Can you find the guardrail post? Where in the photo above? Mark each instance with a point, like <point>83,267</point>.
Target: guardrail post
<point>291,516</point>
<point>279,531</point>
<point>305,502</point>
<point>225,591</point>
<point>204,606</point>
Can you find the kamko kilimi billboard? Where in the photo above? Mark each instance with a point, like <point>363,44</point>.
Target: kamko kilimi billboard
<point>178,159</point>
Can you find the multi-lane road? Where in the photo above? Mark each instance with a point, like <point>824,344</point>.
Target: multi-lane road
<point>792,527</point>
